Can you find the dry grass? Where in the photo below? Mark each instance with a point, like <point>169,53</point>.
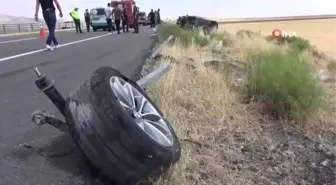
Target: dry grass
<point>225,141</point>
<point>321,33</point>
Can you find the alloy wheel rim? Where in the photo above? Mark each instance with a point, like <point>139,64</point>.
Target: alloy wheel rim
<point>144,114</point>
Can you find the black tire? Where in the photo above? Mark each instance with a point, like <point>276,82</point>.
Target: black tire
<point>94,29</point>
<point>108,136</point>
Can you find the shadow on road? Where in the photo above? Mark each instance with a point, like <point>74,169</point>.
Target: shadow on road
<point>62,153</point>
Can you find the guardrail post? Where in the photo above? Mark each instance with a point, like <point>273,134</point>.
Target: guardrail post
<point>31,27</point>
<point>4,28</point>
<point>19,28</point>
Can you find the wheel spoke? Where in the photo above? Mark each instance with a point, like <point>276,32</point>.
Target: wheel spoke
<point>143,101</point>
<point>130,93</point>
<point>159,126</point>
<point>128,108</point>
<point>121,93</point>
<point>151,116</point>
<point>155,133</point>
<point>141,123</point>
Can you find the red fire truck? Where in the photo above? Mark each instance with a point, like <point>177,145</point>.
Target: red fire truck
<point>128,5</point>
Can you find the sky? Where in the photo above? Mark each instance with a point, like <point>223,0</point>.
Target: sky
<point>205,8</point>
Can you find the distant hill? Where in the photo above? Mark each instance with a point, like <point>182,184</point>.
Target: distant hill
<point>8,19</point>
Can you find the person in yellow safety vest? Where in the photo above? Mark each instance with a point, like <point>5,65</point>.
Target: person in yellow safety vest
<point>76,18</point>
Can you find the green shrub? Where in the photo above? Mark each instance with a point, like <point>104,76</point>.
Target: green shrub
<point>285,80</point>
<point>286,40</point>
<point>296,43</point>
<point>186,37</point>
<point>299,44</point>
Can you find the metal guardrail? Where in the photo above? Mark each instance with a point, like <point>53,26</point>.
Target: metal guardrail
<point>33,27</point>
<point>159,72</point>
<point>154,76</point>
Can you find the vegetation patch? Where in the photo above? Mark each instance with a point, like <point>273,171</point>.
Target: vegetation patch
<point>187,37</point>
<point>224,37</point>
<point>285,79</point>
<point>248,33</point>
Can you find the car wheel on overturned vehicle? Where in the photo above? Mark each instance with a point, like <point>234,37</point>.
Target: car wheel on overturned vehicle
<point>120,130</point>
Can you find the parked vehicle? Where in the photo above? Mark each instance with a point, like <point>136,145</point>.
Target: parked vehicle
<point>143,19</point>
<point>67,24</point>
<point>98,19</point>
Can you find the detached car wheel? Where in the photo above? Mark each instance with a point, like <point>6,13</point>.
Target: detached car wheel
<point>120,129</point>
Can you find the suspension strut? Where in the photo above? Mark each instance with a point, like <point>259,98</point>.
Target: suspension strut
<point>48,88</point>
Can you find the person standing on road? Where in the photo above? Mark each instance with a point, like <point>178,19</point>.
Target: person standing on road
<point>108,14</point>
<point>152,18</point>
<point>136,19</point>
<point>76,18</point>
<point>117,16</point>
<point>155,17</point>
<point>49,15</point>
<point>158,17</point>
<point>125,20</point>
<point>87,20</point>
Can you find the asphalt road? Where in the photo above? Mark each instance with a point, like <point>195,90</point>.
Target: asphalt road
<point>69,66</point>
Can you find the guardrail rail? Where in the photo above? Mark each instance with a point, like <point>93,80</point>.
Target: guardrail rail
<point>33,27</point>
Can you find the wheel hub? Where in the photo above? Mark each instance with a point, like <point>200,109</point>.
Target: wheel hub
<point>137,115</point>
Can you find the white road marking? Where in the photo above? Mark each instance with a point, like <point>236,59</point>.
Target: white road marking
<point>61,45</point>
<point>17,40</point>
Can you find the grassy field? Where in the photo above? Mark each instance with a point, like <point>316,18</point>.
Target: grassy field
<point>247,111</point>
<point>321,33</point>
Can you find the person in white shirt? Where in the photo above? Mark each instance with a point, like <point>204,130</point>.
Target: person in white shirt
<point>108,14</point>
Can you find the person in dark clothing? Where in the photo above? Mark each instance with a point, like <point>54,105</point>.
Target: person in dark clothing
<point>76,18</point>
<point>125,21</point>
<point>152,18</point>
<point>117,15</point>
<point>87,20</point>
<point>136,19</point>
<point>49,15</point>
<point>158,17</point>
